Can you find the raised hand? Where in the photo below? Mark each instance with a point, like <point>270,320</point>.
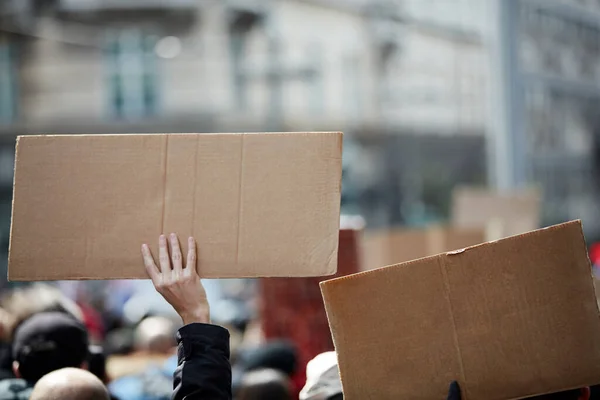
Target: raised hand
<point>179,284</point>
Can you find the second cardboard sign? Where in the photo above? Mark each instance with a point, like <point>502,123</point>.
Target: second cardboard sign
<point>507,320</point>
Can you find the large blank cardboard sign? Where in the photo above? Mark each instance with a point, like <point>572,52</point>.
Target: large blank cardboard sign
<point>258,204</point>
<point>507,320</point>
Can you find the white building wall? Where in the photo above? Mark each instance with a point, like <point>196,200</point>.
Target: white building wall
<point>440,79</point>
<point>64,80</point>
<point>330,41</point>
<point>341,49</point>
<point>437,82</point>
<point>199,78</point>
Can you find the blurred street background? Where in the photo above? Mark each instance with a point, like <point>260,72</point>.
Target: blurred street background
<point>431,94</point>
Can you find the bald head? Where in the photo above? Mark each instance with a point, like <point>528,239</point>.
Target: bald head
<point>155,335</point>
<point>69,384</point>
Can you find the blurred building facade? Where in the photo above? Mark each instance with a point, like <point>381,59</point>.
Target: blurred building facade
<point>249,63</point>
<point>552,81</point>
<point>431,93</point>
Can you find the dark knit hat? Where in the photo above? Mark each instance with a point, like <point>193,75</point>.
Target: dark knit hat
<point>49,341</point>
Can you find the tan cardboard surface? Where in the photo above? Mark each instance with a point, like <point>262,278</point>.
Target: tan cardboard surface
<point>508,319</point>
<point>597,290</point>
<point>257,204</point>
<point>388,247</point>
<point>508,213</point>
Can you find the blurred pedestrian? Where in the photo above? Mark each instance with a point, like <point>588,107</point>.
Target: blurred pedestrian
<point>322,378</point>
<point>22,303</point>
<point>44,343</point>
<point>69,384</point>
<point>265,384</point>
<point>155,335</point>
<point>278,355</point>
<point>154,341</point>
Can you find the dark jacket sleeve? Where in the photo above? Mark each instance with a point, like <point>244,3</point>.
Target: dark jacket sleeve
<point>203,371</point>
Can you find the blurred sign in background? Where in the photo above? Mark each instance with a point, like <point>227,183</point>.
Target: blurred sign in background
<point>430,93</point>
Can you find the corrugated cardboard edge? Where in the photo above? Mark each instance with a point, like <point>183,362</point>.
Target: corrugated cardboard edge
<point>331,239</point>
<point>333,257</point>
<point>12,207</point>
<point>181,134</point>
<point>439,258</point>
<point>452,252</point>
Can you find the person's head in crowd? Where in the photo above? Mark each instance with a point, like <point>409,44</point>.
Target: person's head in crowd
<point>22,303</point>
<point>322,378</point>
<point>69,384</point>
<point>119,341</point>
<point>265,384</point>
<point>46,342</point>
<point>155,335</point>
<point>279,355</point>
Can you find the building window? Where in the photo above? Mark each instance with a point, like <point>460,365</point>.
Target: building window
<point>132,75</point>
<point>8,84</point>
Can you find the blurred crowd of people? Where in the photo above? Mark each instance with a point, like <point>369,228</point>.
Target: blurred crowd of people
<point>43,330</point>
<point>57,347</point>
<point>52,347</point>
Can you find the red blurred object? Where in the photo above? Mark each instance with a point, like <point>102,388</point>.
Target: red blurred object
<point>292,308</point>
<point>595,254</point>
<point>93,322</point>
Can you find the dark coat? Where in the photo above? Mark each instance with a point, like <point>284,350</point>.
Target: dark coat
<point>204,370</point>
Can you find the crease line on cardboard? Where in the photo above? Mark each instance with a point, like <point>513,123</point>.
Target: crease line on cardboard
<point>240,192</point>
<point>192,232</point>
<point>86,246</point>
<point>164,198</point>
<point>443,267</point>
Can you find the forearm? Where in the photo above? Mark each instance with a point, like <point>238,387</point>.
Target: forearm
<point>203,371</point>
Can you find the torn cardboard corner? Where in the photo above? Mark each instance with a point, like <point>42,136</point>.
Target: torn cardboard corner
<point>501,214</point>
<point>258,204</point>
<point>388,247</point>
<point>507,320</point>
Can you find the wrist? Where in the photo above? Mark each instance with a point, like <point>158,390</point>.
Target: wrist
<point>195,316</point>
